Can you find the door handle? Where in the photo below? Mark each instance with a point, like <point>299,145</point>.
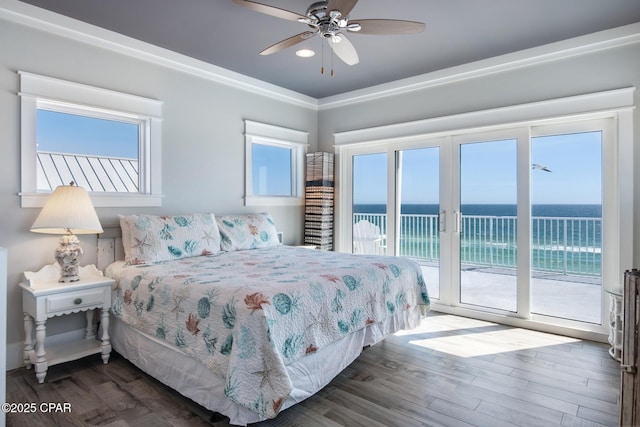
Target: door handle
<point>442,218</point>
<point>456,222</point>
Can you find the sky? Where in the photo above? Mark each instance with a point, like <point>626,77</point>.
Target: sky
<point>271,170</point>
<point>70,133</point>
<point>489,175</point>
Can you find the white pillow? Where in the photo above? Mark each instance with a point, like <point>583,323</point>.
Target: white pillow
<point>153,238</point>
<point>249,231</point>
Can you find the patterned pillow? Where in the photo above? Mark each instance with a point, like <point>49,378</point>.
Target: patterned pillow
<point>250,231</point>
<point>126,236</point>
<point>151,238</point>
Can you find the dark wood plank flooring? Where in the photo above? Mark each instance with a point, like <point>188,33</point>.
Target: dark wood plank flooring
<point>451,371</point>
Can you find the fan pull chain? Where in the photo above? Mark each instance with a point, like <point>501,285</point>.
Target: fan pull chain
<point>322,55</point>
<point>332,55</point>
<point>322,69</point>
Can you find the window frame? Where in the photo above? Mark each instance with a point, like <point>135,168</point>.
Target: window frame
<point>41,92</point>
<point>276,136</point>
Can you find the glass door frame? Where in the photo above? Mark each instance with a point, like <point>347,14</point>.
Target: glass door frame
<point>344,196</point>
<point>610,207</point>
<point>444,146</point>
<point>523,162</point>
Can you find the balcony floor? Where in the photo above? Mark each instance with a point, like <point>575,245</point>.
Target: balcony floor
<point>553,294</point>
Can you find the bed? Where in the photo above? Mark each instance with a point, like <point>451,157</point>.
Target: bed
<point>219,310</point>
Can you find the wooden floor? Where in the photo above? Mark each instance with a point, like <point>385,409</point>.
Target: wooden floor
<point>451,371</point>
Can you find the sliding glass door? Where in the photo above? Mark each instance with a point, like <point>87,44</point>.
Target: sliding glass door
<point>566,226</point>
<point>487,221</point>
<point>511,222</point>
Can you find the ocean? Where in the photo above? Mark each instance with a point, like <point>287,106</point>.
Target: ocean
<point>564,238</point>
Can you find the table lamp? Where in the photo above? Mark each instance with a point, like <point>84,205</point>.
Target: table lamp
<point>68,211</point>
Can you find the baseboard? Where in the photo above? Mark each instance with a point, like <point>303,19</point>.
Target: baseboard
<point>15,357</point>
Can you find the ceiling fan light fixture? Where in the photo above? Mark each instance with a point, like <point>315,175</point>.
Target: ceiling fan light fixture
<point>329,19</point>
<point>305,53</point>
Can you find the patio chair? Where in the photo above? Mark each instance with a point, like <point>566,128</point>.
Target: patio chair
<point>367,239</point>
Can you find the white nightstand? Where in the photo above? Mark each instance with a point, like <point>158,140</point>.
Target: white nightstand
<point>44,297</point>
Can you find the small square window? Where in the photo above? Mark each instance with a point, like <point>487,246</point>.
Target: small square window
<point>274,164</point>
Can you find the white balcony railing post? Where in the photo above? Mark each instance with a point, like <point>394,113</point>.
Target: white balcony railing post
<point>491,242</point>
<point>564,263</point>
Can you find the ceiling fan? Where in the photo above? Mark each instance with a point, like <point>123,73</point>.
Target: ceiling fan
<point>330,19</point>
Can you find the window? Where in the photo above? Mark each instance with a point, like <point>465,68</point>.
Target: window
<point>107,142</point>
<point>274,164</point>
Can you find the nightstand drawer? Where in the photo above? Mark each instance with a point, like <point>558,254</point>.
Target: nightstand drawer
<point>74,301</point>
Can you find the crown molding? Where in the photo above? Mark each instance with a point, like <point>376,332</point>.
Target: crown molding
<point>602,40</point>
<point>54,23</point>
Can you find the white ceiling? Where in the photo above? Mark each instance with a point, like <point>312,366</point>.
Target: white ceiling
<point>457,32</point>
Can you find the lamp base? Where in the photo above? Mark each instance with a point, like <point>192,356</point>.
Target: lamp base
<point>68,254</point>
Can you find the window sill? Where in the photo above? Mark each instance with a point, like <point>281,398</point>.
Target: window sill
<point>273,201</point>
<point>99,200</point>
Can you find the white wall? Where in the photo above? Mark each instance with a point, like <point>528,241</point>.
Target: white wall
<point>202,147</point>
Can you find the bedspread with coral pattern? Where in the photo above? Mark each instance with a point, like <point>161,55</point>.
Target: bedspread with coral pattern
<point>247,314</point>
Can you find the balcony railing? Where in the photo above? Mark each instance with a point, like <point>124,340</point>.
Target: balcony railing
<point>566,245</point>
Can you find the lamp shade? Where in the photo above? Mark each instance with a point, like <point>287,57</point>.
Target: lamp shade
<point>69,209</point>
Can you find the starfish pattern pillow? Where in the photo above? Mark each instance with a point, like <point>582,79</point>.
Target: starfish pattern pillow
<point>249,231</point>
<point>152,238</point>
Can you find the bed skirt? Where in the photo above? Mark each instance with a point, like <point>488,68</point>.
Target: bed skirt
<point>192,379</point>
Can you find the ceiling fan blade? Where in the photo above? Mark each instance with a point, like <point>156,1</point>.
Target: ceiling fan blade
<point>344,6</point>
<point>344,50</point>
<point>387,26</point>
<point>270,10</point>
<point>298,38</point>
